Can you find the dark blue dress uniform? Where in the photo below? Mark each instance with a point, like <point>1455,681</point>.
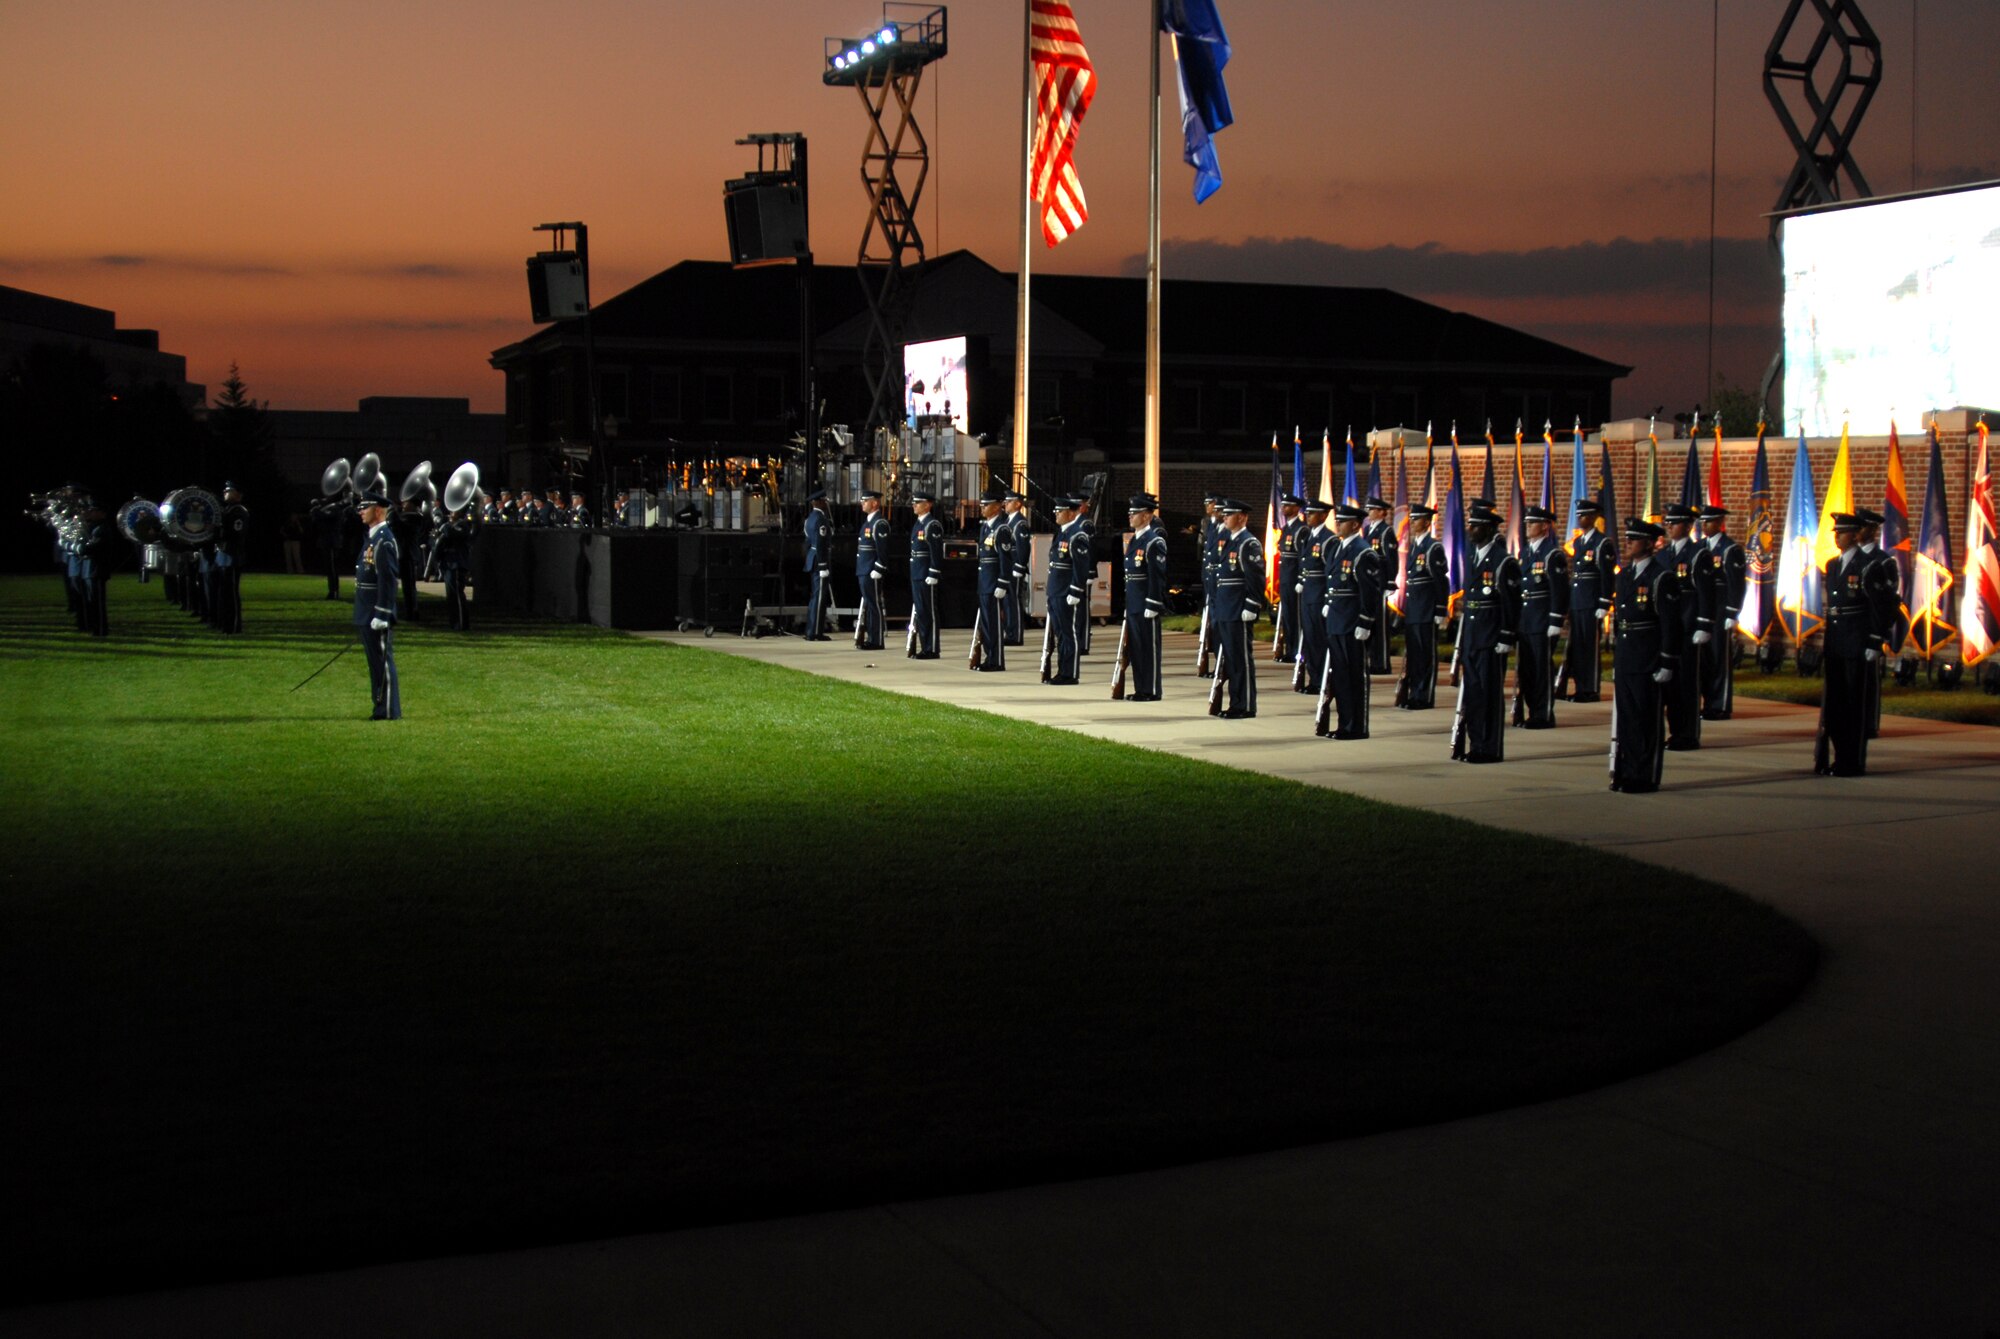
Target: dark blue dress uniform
<point>1701,621</point>
<point>93,570</point>
<point>1544,600</point>
<point>1065,583</point>
<point>1488,625</point>
<point>819,568</point>
<point>871,565</point>
<point>1593,563</point>
<point>1239,599</point>
<point>1017,595</point>
<point>1315,558</point>
<point>996,576</point>
<point>1145,604</point>
<point>329,518</point>
<point>1291,557</point>
<point>926,568</point>
<point>1086,565</point>
<point>1353,606</point>
<point>410,527</point>
<point>232,547</point>
<point>1650,636</point>
<point>1732,566</point>
<point>454,557</point>
<point>1860,596</point>
<point>375,576</point>
<point>1213,537</point>
<point>1424,592</point>
<point>1897,630</point>
<point>1381,537</point>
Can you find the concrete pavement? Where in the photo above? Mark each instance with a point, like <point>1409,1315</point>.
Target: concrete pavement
<point>1834,1172</point>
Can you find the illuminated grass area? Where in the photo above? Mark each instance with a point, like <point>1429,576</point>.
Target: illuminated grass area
<point>611,936</point>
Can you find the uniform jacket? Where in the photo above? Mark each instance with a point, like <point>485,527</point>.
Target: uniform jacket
<point>1239,583</point>
<point>871,555</point>
<point>1146,570</point>
<point>1861,602</point>
<point>1353,586</point>
<point>376,572</point>
<point>1732,564</point>
<point>996,553</point>
<point>1069,559</point>
<point>1291,551</point>
<point>819,540</point>
<point>1592,567</point>
<point>1024,547</point>
<point>1544,585</point>
<point>1694,567</point>
<point>1429,579</point>
<point>1491,614</point>
<point>926,548</point>
<point>1649,625</point>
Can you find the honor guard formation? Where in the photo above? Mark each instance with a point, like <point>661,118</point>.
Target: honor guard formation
<point>1670,602</point>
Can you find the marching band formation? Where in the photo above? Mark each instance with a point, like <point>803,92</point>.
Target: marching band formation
<point>1669,604</point>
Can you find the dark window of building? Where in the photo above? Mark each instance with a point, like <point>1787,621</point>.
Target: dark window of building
<point>1182,410</point>
<point>718,397</point>
<point>771,404</point>
<point>1316,413</point>
<point>666,395</point>
<point>517,398</point>
<point>1274,409</point>
<point>1227,406</point>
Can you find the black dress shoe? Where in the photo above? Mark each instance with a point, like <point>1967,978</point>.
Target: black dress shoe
<point>1348,734</point>
<point>1480,757</point>
<point>1682,746</point>
<point>1586,697</point>
<point>1715,715</point>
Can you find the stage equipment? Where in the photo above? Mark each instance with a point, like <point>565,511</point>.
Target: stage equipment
<point>557,288</point>
<point>562,293</point>
<point>886,66</point>
<point>189,517</point>
<point>139,521</point>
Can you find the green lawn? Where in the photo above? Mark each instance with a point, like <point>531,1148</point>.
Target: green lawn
<point>611,936</point>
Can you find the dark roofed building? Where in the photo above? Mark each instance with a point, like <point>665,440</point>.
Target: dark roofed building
<point>130,357</point>
<point>704,355</point>
<point>401,429</point>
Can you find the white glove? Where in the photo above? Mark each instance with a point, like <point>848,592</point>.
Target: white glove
<point>1249,615</point>
<point>1663,676</point>
<point>1074,600</point>
<point>1701,639</point>
<point>825,572</point>
<point>379,624</point>
<point>930,581</point>
<point>1363,634</point>
<point>1871,655</point>
<point>1299,589</point>
<point>999,592</point>
<point>1443,619</point>
<point>1152,613</point>
<point>1729,625</point>
<point>1555,631</point>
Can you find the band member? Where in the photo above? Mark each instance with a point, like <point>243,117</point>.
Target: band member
<point>510,510</point>
<point>1291,553</point>
<point>1701,617</point>
<point>996,578</point>
<point>871,559</point>
<point>1591,569</point>
<point>93,569</point>
<point>1381,537</point>
<point>621,509</point>
<point>375,575</point>
<point>1145,596</point>
<point>490,509</point>
<point>1650,637</point>
<point>553,514</point>
<point>232,545</point>
<point>454,558</point>
<point>1425,609</point>
<point>819,566</point>
<point>1213,537</point>
<point>411,527</point>
<point>1239,593</point>
<point>1315,561</point>
<point>1897,629</point>
<point>1064,593</point>
<point>1489,623</point>
<point>579,515</point>
<point>1544,598</point>
<point>1860,595</point>
<point>1732,565</point>
<point>1024,548</point>
<point>926,567</point>
<point>1089,560</point>
<point>1352,614</point>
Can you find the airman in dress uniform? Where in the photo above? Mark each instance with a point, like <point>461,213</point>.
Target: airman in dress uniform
<point>1064,593</point>
<point>819,566</point>
<point>93,569</point>
<point>926,568</point>
<point>232,548</point>
<point>1591,570</point>
<point>1352,614</point>
<point>1860,598</point>
<point>1650,635</point>
<point>1145,596</point>
<point>454,559</point>
<point>1544,599</point>
<point>1732,565</point>
<point>871,565</point>
<point>411,528</point>
<point>996,579</point>
<point>1898,629</point>
<point>1381,537</point>
<point>579,514</point>
<point>1489,624</point>
<point>1089,561</point>
<point>1701,617</point>
<point>375,575</point>
<point>1211,533</point>
<point>1024,548</point>
<point>1239,592</point>
<point>1291,553</point>
<point>1425,593</point>
<point>1315,561</point>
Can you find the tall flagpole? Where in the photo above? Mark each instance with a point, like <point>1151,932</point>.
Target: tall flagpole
<point>1153,265</point>
<point>1020,470</point>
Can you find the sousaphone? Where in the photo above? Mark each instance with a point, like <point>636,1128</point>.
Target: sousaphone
<point>335,479</point>
<point>367,473</point>
<point>419,483</point>
<point>462,487</point>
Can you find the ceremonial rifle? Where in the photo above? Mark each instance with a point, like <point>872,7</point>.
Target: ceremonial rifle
<point>978,652</point>
<point>1215,692</point>
<point>1124,662</point>
<point>1048,625</point>
<point>1323,713</point>
<point>1203,659</point>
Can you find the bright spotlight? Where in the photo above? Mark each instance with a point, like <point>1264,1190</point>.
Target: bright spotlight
<point>887,36</point>
<point>868,47</point>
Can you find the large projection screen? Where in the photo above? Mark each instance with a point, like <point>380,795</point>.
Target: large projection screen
<point>934,380</point>
<point>1892,307</point>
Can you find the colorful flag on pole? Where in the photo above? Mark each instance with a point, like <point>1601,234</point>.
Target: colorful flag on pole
<point>1798,602</point>
<point>1895,539</point>
<point>1430,469</point>
<point>1715,468</point>
<point>1650,508</point>
<point>1839,498</point>
<point>1065,82</point>
<point>1373,488</point>
<point>1517,503</point>
<point>1486,483</point>
<point>1579,489</point>
<point>1201,49</point>
<point>1607,492</point>
<point>1933,575</point>
<point>1299,467</point>
<point>1399,516</point>
<point>1457,544</point>
<point>1272,522</point>
<point>1979,616</point>
<point>1760,544</point>
<point>1347,491</point>
<point>1691,474</point>
<point>1548,502</point>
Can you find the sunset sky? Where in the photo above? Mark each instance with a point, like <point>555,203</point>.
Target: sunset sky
<point>339,196</point>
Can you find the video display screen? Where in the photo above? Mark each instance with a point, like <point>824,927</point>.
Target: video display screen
<point>934,380</point>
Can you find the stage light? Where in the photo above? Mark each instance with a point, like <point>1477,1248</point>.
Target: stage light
<point>868,47</point>
<point>887,35</point>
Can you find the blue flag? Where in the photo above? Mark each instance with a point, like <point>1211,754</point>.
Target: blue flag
<point>1799,607</point>
<point>1607,494</point>
<point>1579,489</point>
<point>1347,492</point>
<point>1932,577</point>
<point>1203,49</point>
<point>1760,543</point>
<point>1457,544</point>
<point>1691,476</point>
<point>1299,467</point>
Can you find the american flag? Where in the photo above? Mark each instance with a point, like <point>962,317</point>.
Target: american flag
<point>1065,82</point>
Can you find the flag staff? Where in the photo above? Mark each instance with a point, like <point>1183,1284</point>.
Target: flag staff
<point>1020,468</point>
<point>1153,261</point>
